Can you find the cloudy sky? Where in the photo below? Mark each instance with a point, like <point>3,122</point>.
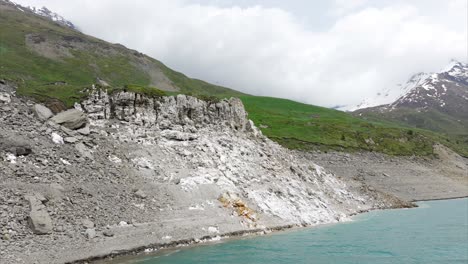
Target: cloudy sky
<point>324,52</point>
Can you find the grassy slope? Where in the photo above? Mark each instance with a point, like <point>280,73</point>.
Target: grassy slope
<point>432,120</point>
<point>303,126</point>
<point>33,73</point>
<point>290,123</point>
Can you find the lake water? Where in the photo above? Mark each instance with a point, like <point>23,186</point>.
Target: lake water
<point>436,232</point>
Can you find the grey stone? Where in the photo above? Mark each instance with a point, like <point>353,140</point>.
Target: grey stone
<point>16,145</point>
<point>42,112</point>
<point>83,150</point>
<point>84,131</point>
<point>72,119</point>
<point>87,223</point>
<point>70,140</point>
<point>39,219</point>
<point>108,233</point>
<point>141,194</point>
<point>90,233</point>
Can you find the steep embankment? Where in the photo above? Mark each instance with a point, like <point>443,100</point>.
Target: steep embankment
<point>48,61</point>
<point>130,171</point>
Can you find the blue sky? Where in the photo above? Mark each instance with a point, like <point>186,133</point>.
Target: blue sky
<point>322,52</point>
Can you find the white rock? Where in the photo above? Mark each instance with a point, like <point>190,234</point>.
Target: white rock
<point>57,139</point>
<point>64,161</point>
<point>5,98</point>
<point>11,158</point>
<point>213,229</point>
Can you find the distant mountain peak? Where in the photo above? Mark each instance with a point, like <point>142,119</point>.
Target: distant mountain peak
<point>439,102</point>
<point>44,12</point>
<point>390,96</point>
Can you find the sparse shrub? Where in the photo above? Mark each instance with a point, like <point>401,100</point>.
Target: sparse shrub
<point>144,90</point>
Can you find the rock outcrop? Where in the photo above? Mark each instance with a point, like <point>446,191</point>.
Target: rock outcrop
<point>150,171</point>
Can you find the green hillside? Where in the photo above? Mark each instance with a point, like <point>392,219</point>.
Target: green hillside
<point>49,62</point>
<point>302,126</point>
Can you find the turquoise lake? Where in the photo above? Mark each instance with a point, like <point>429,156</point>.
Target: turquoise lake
<point>435,232</point>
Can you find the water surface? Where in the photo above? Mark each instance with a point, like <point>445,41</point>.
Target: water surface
<point>436,232</point>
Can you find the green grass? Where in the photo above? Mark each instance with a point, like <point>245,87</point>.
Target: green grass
<point>34,73</point>
<point>302,126</point>
<point>292,124</point>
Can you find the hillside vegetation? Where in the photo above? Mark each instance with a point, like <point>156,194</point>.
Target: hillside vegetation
<point>48,61</point>
<point>302,126</point>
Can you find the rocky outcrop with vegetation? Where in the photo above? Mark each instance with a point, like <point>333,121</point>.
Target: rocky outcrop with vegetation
<point>124,171</point>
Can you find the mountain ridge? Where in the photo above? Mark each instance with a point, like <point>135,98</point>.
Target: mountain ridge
<point>391,94</point>
<point>439,102</point>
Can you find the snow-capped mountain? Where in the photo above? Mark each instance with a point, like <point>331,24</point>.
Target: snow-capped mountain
<point>44,12</point>
<point>389,95</point>
<point>437,101</point>
<point>439,90</point>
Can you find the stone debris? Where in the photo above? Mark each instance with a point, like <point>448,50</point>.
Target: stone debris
<point>42,112</point>
<point>87,223</point>
<point>141,194</point>
<point>57,139</point>
<point>72,119</point>
<point>70,140</point>
<point>39,219</point>
<point>172,164</point>
<point>5,98</point>
<point>90,233</point>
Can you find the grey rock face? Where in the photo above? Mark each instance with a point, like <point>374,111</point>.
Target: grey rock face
<point>72,119</point>
<point>177,113</point>
<point>39,220</point>
<point>17,146</point>
<point>42,112</point>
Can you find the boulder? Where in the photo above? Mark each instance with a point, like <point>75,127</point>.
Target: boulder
<point>72,119</point>
<point>39,219</point>
<point>141,194</point>
<point>16,145</point>
<point>42,112</point>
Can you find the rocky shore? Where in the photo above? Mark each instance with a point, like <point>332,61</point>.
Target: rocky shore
<point>443,176</point>
<point>122,173</point>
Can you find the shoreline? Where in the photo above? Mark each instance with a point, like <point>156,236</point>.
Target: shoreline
<point>236,235</point>
<point>186,242</point>
<point>207,239</point>
<point>440,199</point>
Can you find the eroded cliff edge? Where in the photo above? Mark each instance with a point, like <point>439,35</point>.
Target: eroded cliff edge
<point>124,171</point>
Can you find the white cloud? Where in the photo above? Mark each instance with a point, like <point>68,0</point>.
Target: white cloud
<point>341,7</point>
<point>266,51</point>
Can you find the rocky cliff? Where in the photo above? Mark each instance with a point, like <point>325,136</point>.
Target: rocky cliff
<point>125,172</point>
